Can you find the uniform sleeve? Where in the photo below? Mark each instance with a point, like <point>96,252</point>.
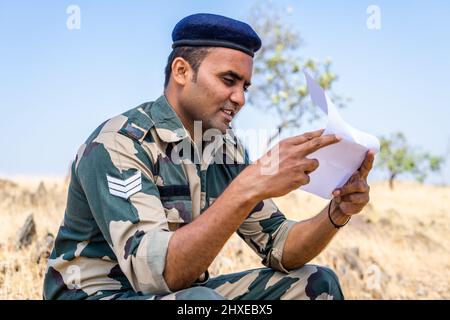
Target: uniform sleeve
<point>265,230</point>
<point>116,176</point>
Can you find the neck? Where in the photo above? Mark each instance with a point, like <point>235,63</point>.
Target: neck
<point>187,122</point>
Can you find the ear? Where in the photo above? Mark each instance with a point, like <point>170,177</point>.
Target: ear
<point>181,71</point>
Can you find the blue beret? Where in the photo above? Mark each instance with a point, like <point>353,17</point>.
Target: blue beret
<point>211,30</point>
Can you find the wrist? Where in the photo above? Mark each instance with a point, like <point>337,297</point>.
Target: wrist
<point>244,191</point>
<point>337,218</point>
<point>247,185</point>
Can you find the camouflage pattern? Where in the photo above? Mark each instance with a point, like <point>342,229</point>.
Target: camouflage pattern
<point>308,283</point>
<point>128,195</point>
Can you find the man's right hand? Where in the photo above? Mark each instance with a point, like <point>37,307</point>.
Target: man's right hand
<point>286,166</point>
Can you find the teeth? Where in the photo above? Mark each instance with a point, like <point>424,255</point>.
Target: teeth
<point>227,111</point>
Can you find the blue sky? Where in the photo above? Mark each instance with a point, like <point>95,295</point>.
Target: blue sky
<point>57,85</point>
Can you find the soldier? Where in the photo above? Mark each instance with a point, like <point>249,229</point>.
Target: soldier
<point>147,212</point>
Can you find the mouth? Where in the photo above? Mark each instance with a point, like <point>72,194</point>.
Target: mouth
<point>228,113</point>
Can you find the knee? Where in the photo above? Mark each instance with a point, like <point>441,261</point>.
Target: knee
<point>321,282</point>
<point>198,293</point>
<point>324,284</point>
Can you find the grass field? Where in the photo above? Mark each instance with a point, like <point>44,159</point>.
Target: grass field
<point>398,248</point>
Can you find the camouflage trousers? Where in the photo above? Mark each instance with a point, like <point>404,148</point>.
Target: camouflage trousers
<point>309,282</point>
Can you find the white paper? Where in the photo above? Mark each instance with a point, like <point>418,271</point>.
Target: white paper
<point>339,161</point>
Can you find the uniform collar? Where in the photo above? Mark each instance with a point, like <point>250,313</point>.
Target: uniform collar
<point>166,122</point>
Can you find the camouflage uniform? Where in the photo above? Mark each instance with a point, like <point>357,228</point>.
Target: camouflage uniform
<point>126,198</point>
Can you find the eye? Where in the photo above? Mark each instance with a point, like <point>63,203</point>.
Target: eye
<point>229,81</point>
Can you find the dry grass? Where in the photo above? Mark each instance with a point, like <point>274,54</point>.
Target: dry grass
<point>396,249</point>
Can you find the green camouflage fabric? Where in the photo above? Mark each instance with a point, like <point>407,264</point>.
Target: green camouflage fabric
<point>128,194</point>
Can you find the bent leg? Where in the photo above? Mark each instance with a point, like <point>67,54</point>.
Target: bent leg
<point>309,282</point>
<point>192,293</point>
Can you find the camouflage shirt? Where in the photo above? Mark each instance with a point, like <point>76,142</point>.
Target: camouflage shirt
<point>127,196</point>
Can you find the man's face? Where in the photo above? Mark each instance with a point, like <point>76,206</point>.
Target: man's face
<point>219,92</point>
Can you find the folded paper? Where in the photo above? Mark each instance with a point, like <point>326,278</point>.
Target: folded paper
<point>339,161</point>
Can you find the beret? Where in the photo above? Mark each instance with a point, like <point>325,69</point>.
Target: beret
<point>211,30</point>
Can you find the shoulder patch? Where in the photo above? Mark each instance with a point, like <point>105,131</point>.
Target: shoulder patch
<point>137,125</point>
<point>133,131</point>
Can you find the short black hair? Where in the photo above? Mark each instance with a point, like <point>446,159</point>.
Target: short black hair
<point>193,55</point>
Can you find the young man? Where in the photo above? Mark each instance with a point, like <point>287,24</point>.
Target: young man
<point>150,207</point>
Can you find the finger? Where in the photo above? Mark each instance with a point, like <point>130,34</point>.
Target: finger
<point>356,198</point>
<point>354,178</point>
<point>302,179</point>
<point>305,179</point>
<point>318,143</point>
<point>355,187</point>
<point>306,137</point>
<point>350,208</point>
<point>367,164</point>
<point>309,165</point>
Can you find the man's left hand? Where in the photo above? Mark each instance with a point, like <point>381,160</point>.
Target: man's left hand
<point>354,195</point>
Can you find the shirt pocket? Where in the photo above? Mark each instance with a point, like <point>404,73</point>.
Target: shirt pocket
<point>177,203</point>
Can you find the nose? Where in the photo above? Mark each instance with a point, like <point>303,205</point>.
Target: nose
<point>238,97</point>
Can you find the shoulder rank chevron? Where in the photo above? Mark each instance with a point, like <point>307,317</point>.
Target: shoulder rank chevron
<point>125,188</point>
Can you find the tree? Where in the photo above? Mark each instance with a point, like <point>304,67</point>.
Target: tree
<point>397,157</point>
<point>278,84</point>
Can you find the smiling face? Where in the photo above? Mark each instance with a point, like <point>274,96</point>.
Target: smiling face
<point>217,93</point>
